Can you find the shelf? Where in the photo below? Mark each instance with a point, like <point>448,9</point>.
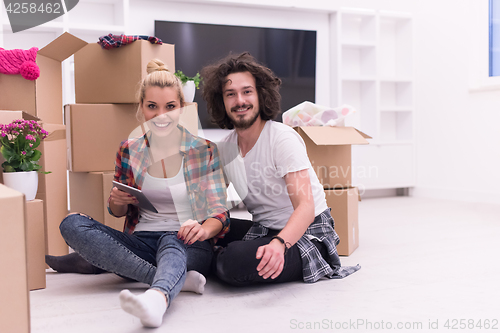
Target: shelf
<point>374,74</point>
<point>102,29</point>
<point>396,80</point>
<point>359,79</point>
<point>358,44</point>
<point>391,143</point>
<point>396,108</point>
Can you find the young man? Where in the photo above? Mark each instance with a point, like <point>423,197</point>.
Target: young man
<point>292,236</point>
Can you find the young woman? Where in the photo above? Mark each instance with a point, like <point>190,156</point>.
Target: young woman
<point>181,175</point>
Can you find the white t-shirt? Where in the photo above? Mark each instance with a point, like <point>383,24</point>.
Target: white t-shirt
<point>170,198</point>
<point>258,178</point>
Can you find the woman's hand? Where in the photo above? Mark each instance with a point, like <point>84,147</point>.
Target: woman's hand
<point>191,231</point>
<point>121,198</point>
<point>119,201</point>
<point>272,260</point>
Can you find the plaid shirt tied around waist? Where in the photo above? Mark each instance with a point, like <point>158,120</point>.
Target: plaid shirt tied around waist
<point>314,266</point>
<point>202,174</point>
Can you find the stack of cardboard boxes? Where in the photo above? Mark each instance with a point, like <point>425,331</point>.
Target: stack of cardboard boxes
<point>329,149</point>
<point>41,100</point>
<point>14,287</point>
<point>106,84</point>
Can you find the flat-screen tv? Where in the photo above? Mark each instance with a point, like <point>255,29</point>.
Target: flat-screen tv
<point>290,53</point>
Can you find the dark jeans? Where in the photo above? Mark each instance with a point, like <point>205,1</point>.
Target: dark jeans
<point>156,258</point>
<point>236,263</point>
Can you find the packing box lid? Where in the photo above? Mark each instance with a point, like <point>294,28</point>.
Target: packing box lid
<point>56,131</point>
<point>329,136</point>
<point>62,47</point>
<point>7,116</point>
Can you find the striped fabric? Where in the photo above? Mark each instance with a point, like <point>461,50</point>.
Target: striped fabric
<point>314,266</point>
<point>202,174</point>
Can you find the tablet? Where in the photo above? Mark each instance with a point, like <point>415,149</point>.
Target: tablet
<point>143,200</point>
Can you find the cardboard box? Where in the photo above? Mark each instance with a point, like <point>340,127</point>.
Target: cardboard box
<point>95,132</point>
<point>6,117</point>
<point>113,76</point>
<point>344,205</point>
<point>35,238</point>
<point>329,150</point>
<point>89,193</point>
<point>14,294</point>
<point>43,96</point>
<point>52,187</point>
<point>189,118</point>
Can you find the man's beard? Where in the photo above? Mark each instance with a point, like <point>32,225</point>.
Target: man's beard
<point>243,124</point>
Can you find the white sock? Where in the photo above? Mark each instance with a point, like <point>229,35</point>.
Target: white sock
<point>148,307</point>
<point>195,282</point>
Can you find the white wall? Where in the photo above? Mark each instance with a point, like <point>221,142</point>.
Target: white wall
<point>142,21</point>
<point>457,141</point>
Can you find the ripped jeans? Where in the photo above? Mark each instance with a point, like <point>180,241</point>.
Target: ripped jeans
<point>157,258</point>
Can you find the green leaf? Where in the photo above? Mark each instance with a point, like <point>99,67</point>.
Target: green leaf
<point>36,155</point>
<point>36,143</point>
<point>26,166</point>
<point>7,168</point>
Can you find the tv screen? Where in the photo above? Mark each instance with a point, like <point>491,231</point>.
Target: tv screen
<point>290,54</point>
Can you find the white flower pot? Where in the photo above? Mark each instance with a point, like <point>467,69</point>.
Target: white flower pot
<point>23,181</point>
<point>189,89</point>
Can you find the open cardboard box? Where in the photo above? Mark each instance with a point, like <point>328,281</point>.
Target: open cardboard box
<point>113,76</point>
<point>329,150</point>
<point>95,132</point>
<point>52,187</point>
<point>344,205</point>
<point>15,303</point>
<point>89,193</point>
<point>42,97</point>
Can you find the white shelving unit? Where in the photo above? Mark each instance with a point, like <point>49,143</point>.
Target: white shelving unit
<point>372,57</point>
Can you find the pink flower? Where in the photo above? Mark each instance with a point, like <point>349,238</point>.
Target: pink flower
<point>23,152</point>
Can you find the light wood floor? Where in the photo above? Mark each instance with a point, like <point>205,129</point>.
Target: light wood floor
<point>423,262</point>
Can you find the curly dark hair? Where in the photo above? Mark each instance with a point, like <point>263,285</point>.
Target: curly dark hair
<point>267,85</point>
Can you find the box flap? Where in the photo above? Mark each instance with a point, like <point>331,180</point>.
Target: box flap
<point>56,131</point>
<point>62,47</point>
<point>325,135</point>
<point>7,116</point>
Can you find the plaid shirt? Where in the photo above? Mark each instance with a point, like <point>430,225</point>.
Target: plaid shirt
<point>202,174</point>
<point>314,266</point>
<point>113,41</point>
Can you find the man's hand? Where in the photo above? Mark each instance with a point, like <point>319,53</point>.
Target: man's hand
<point>272,260</point>
<point>191,231</point>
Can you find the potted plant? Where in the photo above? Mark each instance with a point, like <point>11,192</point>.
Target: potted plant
<point>19,141</point>
<point>189,85</point>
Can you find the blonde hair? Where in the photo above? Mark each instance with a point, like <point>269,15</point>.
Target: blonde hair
<point>158,76</point>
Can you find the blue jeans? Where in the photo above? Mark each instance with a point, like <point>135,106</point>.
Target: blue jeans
<point>156,258</point>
